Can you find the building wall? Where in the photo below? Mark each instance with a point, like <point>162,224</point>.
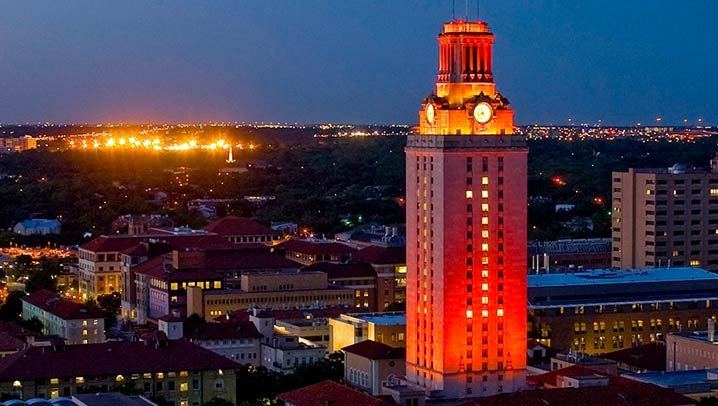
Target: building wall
<point>241,350</point>
<point>217,304</point>
<point>687,353</point>
<point>99,273</point>
<point>75,331</point>
<point>368,375</point>
<point>466,250</point>
<point>660,217</point>
<point>593,331</point>
<point>182,387</point>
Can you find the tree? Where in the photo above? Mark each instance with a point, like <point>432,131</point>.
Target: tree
<point>108,305</point>
<point>11,309</point>
<point>34,325</point>
<point>215,401</point>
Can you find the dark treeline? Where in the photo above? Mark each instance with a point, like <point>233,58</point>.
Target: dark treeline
<point>315,182</point>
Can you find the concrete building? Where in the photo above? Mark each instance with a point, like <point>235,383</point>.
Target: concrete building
<point>307,252</point>
<point>570,255</point>
<point>665,217</point>
<point>282,352</point>
<point>38,227</point>
<point>390,264</point>
<point>466,208</point>
<point>239,342</point>
<point>692,350</point>
<point>161,283</point>
<point>154,368</point>
<point>385,328</point>
<point>368,365</point>
<point>69,320</point>
<point>602,311</point>
<point>276,290</point>
<point>359,276</point>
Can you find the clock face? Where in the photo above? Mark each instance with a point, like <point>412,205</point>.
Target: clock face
<point>483,112</point>
<point>430,114</point>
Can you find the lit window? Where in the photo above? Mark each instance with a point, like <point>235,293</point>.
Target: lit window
<point>484,260</point>
<point>485,194</point>
<point>484,273</point>
<point>17,384</point>
<point>79,379</point>
<point>695,262</point>
<point>218,284</point>
<point>469,194</point>
<point>500,312</point>
<point>469,314</point>
<point>84,322</point>
<point>649,192</point>
<point>119,378</point>
<point>484,313</point>
<point>485,300</point>
<point>714,192</point>
<point>485,233</point>
<point>484,247</point>
<point>54,381</point>
<point>484,220</point>
<point>184,386</point>
<point>485,207</point>
<point>485,287</point>
<point>485,180</point>
<point>84,332</point>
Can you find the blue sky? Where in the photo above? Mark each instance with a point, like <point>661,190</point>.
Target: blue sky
<point>358,61</point>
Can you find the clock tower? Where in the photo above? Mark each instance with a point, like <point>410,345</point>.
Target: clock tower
<point>466,229</point>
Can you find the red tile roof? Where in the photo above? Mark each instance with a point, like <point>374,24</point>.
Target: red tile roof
<point>117,243</point>
<point>222,331</point>
<point>62,308</point>
<point>236,226</point>
<point>650,356</point>
<point>9,343</point>
<point>109,359</point>
<point>156,268</point>
<point>243,259</point>
<point>316,248</point>
<point>342,271</point>
<point>328,393</point>
<point>611,395</point>
<point>381,256</point>
<point>374,350</point>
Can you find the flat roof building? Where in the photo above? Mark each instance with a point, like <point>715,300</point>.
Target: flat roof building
<point>605,310</point>
<point>665,215</point>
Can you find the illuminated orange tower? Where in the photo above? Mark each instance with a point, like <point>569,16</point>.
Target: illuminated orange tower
<point>466,229</point>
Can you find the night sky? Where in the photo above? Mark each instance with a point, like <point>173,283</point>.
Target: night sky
<point>357,61</point>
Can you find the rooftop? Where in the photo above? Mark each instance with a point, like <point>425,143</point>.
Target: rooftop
<point>109,359</point>
<point>222,331</point>
<point>62,308</point>
<point>316,247</point>
<point>382,319</point>
<point>375,351</point>
<point>675,379</point>
<point>381,255</point>
<point>235,226</point>
<point>338,271</point>
<point>328,393</point>
<point>627,276</point>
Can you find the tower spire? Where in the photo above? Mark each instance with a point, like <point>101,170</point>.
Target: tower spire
<point>230,159</point>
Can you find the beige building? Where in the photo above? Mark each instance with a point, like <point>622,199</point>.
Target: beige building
<point>386,328</point>
<point>665,217</point>
<point>601,311</point>
<point>692,350</point>
<point>69,320</point>
<point>369,364</point>
<point>277,290</point>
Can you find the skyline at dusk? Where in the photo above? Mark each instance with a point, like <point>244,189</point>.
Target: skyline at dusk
<point>359,62</point>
